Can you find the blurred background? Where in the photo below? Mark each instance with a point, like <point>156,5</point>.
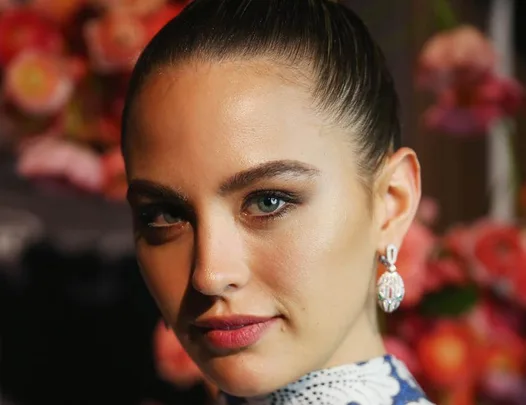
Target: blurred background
<point>77,325</point>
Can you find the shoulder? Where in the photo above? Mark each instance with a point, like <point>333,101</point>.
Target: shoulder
<point>410,392</point>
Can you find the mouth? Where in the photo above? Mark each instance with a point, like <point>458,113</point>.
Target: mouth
<point>233,332</point>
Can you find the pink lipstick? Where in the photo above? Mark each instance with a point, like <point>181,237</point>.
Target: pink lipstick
<point>233,332</point>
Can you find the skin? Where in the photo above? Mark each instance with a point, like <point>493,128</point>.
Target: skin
<point>206,136</point>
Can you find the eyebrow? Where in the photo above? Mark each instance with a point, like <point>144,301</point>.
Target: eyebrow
<point>265,171</point>
<point>238,181</point>
<point>153,190</point>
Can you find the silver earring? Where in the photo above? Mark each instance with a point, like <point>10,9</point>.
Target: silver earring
<point>390,285</point>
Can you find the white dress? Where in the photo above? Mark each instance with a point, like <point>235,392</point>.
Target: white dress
<point>380,381</point>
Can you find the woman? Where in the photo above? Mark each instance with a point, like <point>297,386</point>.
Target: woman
<point>261,141</point>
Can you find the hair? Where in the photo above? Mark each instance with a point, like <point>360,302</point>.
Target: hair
<point>348,75</point>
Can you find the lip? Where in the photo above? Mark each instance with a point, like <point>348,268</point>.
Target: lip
<point>233,332</point>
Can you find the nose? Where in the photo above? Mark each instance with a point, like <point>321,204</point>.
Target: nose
<point>220,264</point>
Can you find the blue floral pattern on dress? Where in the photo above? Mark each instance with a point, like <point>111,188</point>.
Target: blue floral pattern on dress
<point>380,381</point>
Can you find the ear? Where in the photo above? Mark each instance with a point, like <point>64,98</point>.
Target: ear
<point>397,196</point>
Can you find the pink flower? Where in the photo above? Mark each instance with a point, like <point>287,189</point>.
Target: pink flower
<point>412,260</point>
<point>115,41</point>
<point>51,157</point>
<point>503,386</point>
<point>461,55</point>
<point>22,28</point>
<point>467,109</point>
<point>172,362</point>
<point>38,83</point>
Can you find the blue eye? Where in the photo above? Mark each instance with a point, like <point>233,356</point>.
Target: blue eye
<point>267,204</point>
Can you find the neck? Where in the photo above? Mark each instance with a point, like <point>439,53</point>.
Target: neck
<point>382,380</point>
<point>363,342</point>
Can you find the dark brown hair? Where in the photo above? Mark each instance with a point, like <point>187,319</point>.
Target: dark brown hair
<point>350,80</point>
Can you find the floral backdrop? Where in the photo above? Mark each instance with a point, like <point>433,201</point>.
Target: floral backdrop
<point>65,66</point>
<point>64,69</point>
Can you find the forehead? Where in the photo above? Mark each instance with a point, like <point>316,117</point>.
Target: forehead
<point>224,117</point>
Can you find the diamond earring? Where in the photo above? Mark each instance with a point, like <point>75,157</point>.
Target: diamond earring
<point>390,285</point>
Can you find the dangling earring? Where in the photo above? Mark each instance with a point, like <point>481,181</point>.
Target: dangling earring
<point>390,286</point>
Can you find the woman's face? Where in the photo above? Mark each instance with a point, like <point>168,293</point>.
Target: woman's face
<point>253,231</point>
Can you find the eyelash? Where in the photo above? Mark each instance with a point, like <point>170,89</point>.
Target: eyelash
<point>289,199</point>
<point>149,213</point>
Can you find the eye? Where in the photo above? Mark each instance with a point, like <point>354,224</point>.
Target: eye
<point>268,203</point>
<point>160,216</point>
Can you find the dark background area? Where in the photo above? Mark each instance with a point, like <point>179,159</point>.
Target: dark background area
<point>76,320</point>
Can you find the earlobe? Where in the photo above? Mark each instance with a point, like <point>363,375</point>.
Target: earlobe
<point>400,192</point>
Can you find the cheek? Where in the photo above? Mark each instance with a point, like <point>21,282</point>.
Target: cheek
<point>166,270</point>
<point>321,262</point>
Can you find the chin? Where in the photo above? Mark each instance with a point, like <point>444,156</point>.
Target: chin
<point>244,375</point>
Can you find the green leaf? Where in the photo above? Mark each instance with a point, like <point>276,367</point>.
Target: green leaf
<point>450,301</point>
<point>446,17</point>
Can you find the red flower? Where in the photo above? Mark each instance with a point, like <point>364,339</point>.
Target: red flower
<point>172,362</point>
<point>499,251</point>
<point>448,356</point>
<point>38,83</point>
<point>412,259</point>
<point>59,11</point>
<point>446,271</point>
<point>461,55</point>
<point>471,108</point>
<point>21,29</point>
<point>496,254</point>
<point>160,18</point>
<point>518,286</point>
<point>502,354</point>
<point>460,395</point>
<point>410,327</point>
<point>115,41</point>
<point>503,366</point>
<point>491,323</point>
